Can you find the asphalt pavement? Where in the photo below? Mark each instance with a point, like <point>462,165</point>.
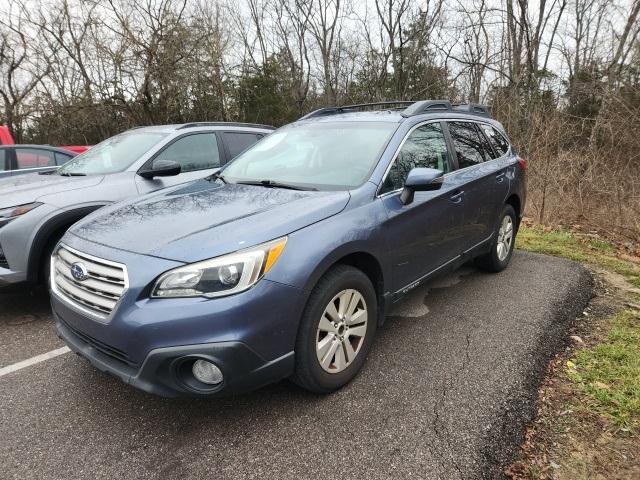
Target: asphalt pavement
<point>445,394</point>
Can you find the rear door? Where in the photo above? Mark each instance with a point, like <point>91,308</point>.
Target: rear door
<point>482,180</point>
<point>199,154</point>
<point>422,236</point>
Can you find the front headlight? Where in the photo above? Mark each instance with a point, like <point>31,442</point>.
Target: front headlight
<point>220,276</point>
<point>13,212</point>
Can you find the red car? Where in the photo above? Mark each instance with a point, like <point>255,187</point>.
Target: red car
<point>7,139</point>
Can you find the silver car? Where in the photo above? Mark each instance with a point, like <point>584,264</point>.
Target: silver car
<point>37,209</point>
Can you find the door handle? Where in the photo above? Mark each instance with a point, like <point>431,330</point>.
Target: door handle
<point>457,196</point>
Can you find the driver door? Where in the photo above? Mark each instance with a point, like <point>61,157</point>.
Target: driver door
<point>423,235</point>
<point>197,153</point>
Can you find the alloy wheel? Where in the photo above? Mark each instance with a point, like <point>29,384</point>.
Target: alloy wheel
<point>341,331</point>
<point>505,238</point>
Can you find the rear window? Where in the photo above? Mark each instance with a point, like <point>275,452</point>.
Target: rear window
<point>34,158</point>
<point>237,142</point>
<point>471,148</point>
<point>62,158</point>
<point>500,144</point>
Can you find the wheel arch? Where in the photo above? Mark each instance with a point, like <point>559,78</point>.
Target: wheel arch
<point>52,230</point>
<point>514,201</point>
<point>363,260</point>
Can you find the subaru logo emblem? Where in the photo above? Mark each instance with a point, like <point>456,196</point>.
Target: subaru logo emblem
<point>79,272</point>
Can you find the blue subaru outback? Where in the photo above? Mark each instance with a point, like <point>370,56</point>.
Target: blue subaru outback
<point>283,263</point>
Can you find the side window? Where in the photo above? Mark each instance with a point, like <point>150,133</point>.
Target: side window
<point>424,147</point>
<point>500,144</point>
<point>489,154</point>
<point>34,158</point>
<point>193,152</point>
<point>470,148</point>
<point>3,160</point>
<point>61,158</point>
<point>237,142</point>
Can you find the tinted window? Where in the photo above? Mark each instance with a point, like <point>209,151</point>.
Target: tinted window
<point>34,158</point>
<point>193,152</point>
<point>3,160</point>
<point>61,158</point>
<point>425,147</point>
<point>484,143</point>
<point>323,155</point>
<point>500,144</point>
<point>470,147</point>
<point>239,142</point>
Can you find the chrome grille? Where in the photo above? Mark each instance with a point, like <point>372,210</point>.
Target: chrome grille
<point>99,292</point>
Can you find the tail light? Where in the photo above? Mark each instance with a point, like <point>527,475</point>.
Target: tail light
<point>522,162</point>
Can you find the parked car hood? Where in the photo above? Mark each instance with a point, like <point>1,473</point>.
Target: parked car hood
<point>202,219</point>
<point>29,188</point>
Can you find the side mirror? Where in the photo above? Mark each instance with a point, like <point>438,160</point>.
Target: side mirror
<point>421,180</point>
<point>161,168</point>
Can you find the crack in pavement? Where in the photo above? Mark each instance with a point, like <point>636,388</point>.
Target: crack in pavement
<point>445,436</point>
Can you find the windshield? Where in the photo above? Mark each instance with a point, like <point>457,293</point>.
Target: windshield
<point>329,156</point>
<point>113,155</point>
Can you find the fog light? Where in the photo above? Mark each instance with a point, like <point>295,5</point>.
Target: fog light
<point>206,372</point>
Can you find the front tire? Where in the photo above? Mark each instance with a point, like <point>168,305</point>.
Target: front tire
<point>498,258</point>
<point>336,331</point>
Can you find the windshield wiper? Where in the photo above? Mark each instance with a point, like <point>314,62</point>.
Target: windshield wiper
<point>70,174</point>
<point>274,184</point>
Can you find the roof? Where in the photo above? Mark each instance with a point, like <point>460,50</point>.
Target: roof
<point>42,147</point>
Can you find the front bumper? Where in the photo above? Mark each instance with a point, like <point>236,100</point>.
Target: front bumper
<point>162,372</point>
<point>249,335</point>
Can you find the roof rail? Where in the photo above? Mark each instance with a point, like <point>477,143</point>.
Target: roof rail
<point>472,108</point>
<point>225,124</point>
<point>426,106</point>
<point>411,108</point>
<point>358,107</point>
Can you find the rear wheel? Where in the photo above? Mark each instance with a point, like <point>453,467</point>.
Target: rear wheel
<point>336,331</point>
<point>498,258</point>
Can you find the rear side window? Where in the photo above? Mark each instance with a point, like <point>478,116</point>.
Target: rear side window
<point>193,152</point>
<point>3,160</point>
<point>237,142</point>
<point>500,144</point>
<point>425,147</point>
<point>61,158</point>
<point>470,147</point>
<point>34,158</point>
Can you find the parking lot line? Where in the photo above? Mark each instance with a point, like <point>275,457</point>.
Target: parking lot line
<point>33,360</point>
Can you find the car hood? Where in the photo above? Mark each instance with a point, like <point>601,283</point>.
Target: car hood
<point>203,219</point>
<point>28,188</point>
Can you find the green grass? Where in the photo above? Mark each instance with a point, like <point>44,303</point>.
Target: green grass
<point>561,243</point>
<point>608,374</point>
<point>604,377</point>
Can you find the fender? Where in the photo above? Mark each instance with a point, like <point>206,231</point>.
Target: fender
<point>358,247</point>
<point>43,236</point>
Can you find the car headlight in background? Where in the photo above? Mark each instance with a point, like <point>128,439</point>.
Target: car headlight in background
<point>7,214</point>
<point>220,276</point>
